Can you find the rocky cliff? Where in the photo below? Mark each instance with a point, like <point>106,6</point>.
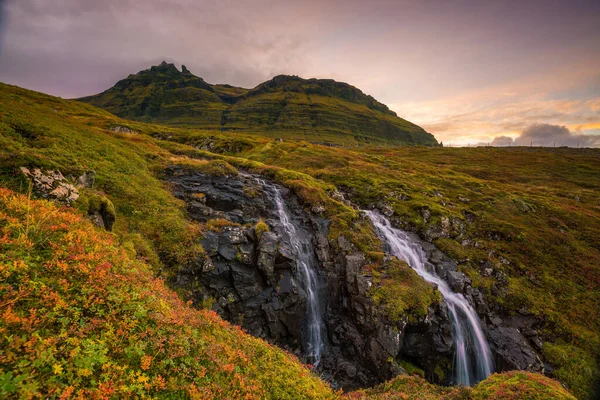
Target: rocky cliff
<point>249,277</point>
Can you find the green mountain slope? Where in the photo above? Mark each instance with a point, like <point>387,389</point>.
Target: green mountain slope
<point>315,110</point>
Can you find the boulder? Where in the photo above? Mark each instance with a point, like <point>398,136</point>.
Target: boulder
<point>267,253</point>
<point>87,180</point>
<point>51,185</point>
<point>512,351</point>
<point>457,281</point>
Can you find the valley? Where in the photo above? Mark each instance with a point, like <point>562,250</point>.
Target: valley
<point>203,223</point>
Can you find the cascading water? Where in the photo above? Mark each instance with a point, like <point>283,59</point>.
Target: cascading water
<point>307,275</point>
<point>473,359</point>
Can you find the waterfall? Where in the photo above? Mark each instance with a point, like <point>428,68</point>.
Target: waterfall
<point>473,359</point>
<point>307,275</point>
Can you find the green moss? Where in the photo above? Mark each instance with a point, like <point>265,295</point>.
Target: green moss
<point>411,369</point>
<point>260,228</point>
<point>402,292</point>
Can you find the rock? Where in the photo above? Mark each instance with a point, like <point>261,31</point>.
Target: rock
<point>363,284</point>
<point>267,248</point>
<point>97,220</point>
<point>337,195</point>
<point>228,251</point>
<point>523,206</point>
<point>233,236</point>
<point>51,185</point>
<point>210,243</point>
<point>246,281</point>
<point>345,245</point>
<point>387,210</point>
<point>317,209</point>
<point>87,180</point>
<point>121,129</point>
<point>390,340</point>
<point>348,369</point>
<point>463,199</point>
<point>457,281</point>
<point>426,214</point>
<point>354,263</point>
<point>512,352</point>
<point>322,248</point>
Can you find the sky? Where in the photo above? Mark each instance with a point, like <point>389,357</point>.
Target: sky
<point>470,72</point>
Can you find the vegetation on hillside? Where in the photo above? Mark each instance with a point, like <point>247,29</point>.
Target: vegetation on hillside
<point>531,215</point>
<point>82,318</point>
<point>287,107</point>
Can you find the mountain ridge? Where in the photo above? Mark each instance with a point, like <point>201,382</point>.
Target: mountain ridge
<point>286,106</point>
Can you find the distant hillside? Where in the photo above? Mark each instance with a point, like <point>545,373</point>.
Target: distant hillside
<point>316,110</point>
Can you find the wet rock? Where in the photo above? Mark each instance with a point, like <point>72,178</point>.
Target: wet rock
<point>457,281</point>
<point>267,253</point>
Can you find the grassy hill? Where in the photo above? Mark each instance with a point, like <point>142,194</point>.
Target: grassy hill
<point>538,209</point>
<point>288,107</point>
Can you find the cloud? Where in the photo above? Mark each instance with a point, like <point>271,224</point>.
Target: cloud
<point>547,135</point>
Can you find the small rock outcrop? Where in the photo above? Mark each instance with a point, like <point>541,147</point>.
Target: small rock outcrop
<point>86,180</point>
<point>121,129</point>
<point>51,185</point>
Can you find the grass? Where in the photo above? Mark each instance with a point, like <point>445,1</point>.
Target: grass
<point>529,215</point>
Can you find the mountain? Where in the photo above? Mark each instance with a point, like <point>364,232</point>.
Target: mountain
<point>315,110</point>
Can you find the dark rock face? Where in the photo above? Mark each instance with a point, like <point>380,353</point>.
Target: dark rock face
<point>254,282</point>
<point>513,351</point>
